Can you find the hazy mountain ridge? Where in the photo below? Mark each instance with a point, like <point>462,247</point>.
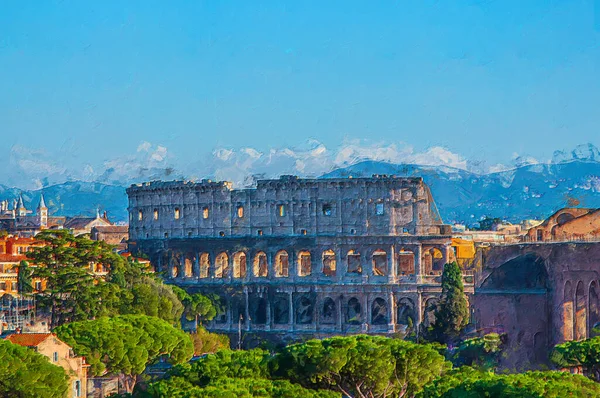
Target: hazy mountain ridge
<point>527,191</point>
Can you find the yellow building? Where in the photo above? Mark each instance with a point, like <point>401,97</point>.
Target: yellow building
<point>60,354</point>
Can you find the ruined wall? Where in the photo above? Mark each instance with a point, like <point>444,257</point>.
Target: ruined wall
<point>540,295</point>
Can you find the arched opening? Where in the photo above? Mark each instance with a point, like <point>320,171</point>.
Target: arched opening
<point>540,348</point>
<point>564,218</point>
<point>329,312</point>
<point>379,312</point>
<point>353,312</point>
<point>405,313</point>
<point>204,265</point>
<point>437,260</point>
<point>429,312</point>
<point>406,262</point>
<point>222,265</point>
<point>540,235</point>
<point>259,313</point>
<point>354,264</point>
<point>281,310</point>
<point>239,265</point>
<point>304,265</point>
<point>580,312</point>
<point>176,265</point>
<point>567,316</point>
<point>189,266</point>
<point>282,264</point>
<point>380,263</point>
<point>304,310</point>
<point>329,263</point>
<point>593,299</point>
<point>260,265</point>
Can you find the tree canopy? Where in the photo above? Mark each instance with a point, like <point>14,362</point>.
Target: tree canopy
<point>452,313</point>
<point>125,345</point>
<point>25,373</point>
<point>584,353</point>
<point>361,366</point>
<point>467,382</point>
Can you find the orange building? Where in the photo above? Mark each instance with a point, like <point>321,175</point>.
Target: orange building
<point>567,224</point>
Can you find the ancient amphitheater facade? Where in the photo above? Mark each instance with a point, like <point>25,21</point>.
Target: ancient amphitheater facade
<point>299,256</point>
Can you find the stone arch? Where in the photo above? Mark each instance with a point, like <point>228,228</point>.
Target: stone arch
<point>580,312</point>
<point>239,265</point>
<point>259,310</point>
<point>354,262</point>
<point>189,265</point>
<point>304,310</point>
<point>222,265</point>
<point>429,310</point>
<point>281,309</point>
<point>329,311</point>
<point>405,312</point>
<point>540,347</point>
<point>406,262</point>
<point>204,265</point>
<point>304,264</point>
<point>437,260</point>
<point>329,263</point>
<point>176,265</point>
<point>379,315</point>
<point>260,267</point>
<point>380,262</point>
<point>354,312</point>
<point>282,264</point>
<point>568,311</point>
<point>594,307</point>
<point>564,218</point>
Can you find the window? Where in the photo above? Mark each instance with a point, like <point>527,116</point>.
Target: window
<point>221,233</point>
<point>166,234</point>
<point>177,213</point>
<point>327,210</point>
<point>259,232</point>
<point>77,388</point>
<point>140,215</point>
<point>38,286</point>
<point>379,209</point>
<point>13,286</point>
<point>303,231</point>
<point>281,210</point>
<point>240,211</point>
<point>156,214</point>
<point>205,212</point>
<point>2,285</point>
<point>55,356</point>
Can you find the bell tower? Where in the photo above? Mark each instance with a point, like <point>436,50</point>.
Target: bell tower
<point>42,212</point>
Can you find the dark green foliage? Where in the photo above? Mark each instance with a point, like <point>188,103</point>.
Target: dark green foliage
<point>124,345</point>
<point>24,280</point>
<point>467,382</point>
<point>208,343</point>
<point>480,352</point>
<point>585,353</point>
<point>25,373</point>
<point>196,306</point>
<point>452,314</point>
<point>369,366</point>
<point>230,374</point>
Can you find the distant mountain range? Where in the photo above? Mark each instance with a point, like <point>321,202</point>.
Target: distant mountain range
<point>527,191</point>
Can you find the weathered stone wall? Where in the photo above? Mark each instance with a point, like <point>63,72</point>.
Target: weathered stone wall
<point>540,295</point>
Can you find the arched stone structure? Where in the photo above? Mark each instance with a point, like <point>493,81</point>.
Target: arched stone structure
<point>568,312</point>
<point>260,265</point>
<point>580,312</point>
<point>406,262</point>
<point>281,309</point>
<point>329,263</point>
<point>204,265</point>
<point>329,312</point>
<point>282,264</point>
<point>379,312</point>
<point>354,312</point>
<point>222,265</point>
<point>354,262</point>
<point>405,312</point>
<point>594,308</point>
<point>304,310</point>
<point>380,262</point>
<point>304,263</point>
<point>239,265</point>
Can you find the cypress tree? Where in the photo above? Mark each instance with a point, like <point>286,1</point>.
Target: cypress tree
<point>452,313</point>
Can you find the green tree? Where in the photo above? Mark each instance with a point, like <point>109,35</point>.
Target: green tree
<point>467,382</point>
<point>24,281</point>
<point>197,307</point>
<point>361,366</point>
<point>208,343</point>
<point>125,345</point>
<point>24,373</point>
<point>452,313</point>
<point>480,352</point>
<point>584,353</point>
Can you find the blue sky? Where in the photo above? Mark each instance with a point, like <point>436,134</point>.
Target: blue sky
<point>86,83</point>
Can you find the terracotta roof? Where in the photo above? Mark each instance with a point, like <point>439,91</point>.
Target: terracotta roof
<point>112,228</point>
<point>82,222</point>
<point>28,339</point>
<point>9,258</point>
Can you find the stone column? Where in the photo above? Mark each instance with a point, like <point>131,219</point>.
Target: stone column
<point>291,311</point>
<point>366,312</point>
<point>269,322</point>
<point>196,270</point>
<point>392,272</point>
<point>418,255</point>
<point>446,253</point>
<point>340,314</point>
<point>247,309</point>
<point>391,313</point>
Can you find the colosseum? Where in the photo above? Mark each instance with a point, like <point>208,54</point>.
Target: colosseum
<point>296,256</point>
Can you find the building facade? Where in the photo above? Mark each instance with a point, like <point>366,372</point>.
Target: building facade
<point>299,256</point>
